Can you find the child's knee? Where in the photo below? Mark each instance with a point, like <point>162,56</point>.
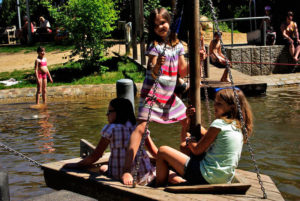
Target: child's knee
<point>162,150</point>
<point>44,90</point>
<point>38,91</point>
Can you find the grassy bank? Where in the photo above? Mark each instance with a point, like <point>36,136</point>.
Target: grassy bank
<point>74,73</point>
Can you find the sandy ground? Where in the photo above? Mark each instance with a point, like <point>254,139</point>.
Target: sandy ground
<point>19,61</point>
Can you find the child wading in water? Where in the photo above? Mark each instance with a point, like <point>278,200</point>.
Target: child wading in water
<point>166,53</point>
<point>41,73</point>
<point>121,123</point>
<point>219,150</point>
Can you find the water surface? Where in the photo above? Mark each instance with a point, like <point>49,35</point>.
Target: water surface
<point>53,134</point>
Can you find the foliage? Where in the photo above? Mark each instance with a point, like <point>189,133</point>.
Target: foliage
<point>9,15</point>
<point>89,23</point>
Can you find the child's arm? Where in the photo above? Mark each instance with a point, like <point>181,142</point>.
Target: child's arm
<point>182,70</point>
<point>205,142</point>
<point>89,160</point>
<point>49,75</point>
<point>36,69</point>
<point>151,146</point>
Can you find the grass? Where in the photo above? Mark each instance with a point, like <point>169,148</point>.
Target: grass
<point>75,73</point>
<point>32,48</point>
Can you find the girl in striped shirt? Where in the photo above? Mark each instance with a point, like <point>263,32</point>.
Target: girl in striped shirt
<point>165,53</point>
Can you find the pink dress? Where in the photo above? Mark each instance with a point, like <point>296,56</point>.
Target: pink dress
<point>167,107</point>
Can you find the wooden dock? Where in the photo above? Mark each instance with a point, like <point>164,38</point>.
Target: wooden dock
<point>91,183</point>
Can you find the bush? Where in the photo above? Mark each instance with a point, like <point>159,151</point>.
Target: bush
<point>89,22</point>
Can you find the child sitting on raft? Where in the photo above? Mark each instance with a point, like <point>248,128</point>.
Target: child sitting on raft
<point>121,123</point>
<point>217,154</point>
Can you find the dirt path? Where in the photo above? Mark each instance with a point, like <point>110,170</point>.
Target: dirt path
<point>20,61</point>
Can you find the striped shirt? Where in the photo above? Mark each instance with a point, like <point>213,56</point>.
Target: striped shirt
<point>119,136</point>
<point>167,107</point>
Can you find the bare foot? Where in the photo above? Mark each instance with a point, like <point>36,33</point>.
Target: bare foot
<point>127,178</point>
<point>225,79</point>
<point>295,59</point>
<point>103,168</point>
<point>175,179</point>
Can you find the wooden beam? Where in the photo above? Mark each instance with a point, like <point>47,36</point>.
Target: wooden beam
<point>194,60</point>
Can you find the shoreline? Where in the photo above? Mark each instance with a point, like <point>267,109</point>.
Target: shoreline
<point>108,91</point>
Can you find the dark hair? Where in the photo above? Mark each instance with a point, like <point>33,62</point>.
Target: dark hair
<point>124,110</point>
<point>218,33</point>
<point>228,96</point>
<point>40,49</point>
<point>153,37</point>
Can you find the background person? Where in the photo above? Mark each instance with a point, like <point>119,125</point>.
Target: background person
<point>41,73</point>
<point>44,26</point>
<point>216,56</point>
<point>290,34</point>
<point>270,33</point>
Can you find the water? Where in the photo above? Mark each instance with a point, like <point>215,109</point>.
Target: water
<point>53,134</point>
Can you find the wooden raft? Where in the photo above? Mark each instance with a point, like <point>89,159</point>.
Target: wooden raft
<point>91,183</point>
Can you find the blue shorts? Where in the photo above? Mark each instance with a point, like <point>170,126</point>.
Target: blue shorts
<point>192,172</point>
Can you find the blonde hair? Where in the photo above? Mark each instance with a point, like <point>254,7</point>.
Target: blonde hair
<point>233,115</point>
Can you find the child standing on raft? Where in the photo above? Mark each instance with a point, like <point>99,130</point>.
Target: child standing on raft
<point>165,53</point>
<point>121,123</point>
<point>222,145</point>
<point>41,73</point>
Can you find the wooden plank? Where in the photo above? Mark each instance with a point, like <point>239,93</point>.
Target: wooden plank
<point>91,183</point>
<point>236,188</point>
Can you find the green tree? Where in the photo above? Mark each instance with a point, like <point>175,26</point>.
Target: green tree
<point>89,23</point>
<point>9,16</point>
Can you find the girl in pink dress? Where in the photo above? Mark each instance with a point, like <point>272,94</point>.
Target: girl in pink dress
<point>165,53</point>
<point>41,73</point>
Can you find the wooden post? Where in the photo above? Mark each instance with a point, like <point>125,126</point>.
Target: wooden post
<point>194,60</point>
<point>29,23</point>
<point>134,28</point>
<point>141,32</point>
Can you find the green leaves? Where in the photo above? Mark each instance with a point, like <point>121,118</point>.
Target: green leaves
<point>90,23</point>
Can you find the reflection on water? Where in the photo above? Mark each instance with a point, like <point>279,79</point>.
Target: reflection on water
<point>53,133</point>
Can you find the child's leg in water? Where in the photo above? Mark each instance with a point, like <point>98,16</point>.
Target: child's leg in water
<point>38,90</point>
<point>44,90</point>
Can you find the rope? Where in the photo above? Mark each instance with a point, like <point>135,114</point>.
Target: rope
<point>244,129</point>
<point>6,148</point>
<point>278,64</point>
